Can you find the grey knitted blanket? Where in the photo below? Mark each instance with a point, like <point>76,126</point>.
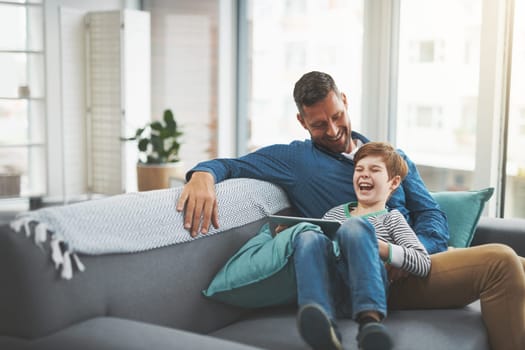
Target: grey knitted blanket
<point>134,222</point>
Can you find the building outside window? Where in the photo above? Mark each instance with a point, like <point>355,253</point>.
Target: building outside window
<point>287,39</point>
<point>440,137</point>
<point>22,100</point>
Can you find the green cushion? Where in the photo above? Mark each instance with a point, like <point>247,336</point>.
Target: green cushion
<point>258,274</point>
<point>463,210</point>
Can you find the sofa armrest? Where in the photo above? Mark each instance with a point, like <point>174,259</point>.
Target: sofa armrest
<point>506,231</point>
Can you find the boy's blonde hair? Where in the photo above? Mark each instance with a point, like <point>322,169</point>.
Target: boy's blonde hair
<point>395,164</point>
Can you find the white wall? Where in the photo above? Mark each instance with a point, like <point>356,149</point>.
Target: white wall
<point>53,83</point>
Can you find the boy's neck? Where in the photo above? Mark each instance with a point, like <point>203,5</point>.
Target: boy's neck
<point>364,209</point>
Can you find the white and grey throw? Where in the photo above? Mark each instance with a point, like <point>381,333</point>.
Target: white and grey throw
<point>141,221</point>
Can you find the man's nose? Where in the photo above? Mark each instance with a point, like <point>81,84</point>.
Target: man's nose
<point>331,130</point>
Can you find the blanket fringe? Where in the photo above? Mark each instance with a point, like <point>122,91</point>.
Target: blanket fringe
<point>61,256</point>
<point>40,234</point>
<point>56,252</point>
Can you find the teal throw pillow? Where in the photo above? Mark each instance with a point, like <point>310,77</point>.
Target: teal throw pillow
<point>463,210</point>
<point>261,273</point>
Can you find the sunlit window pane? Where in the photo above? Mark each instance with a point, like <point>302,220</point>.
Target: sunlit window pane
<point>515,184</point>
<point>438,87</point>
<point>288,39</point>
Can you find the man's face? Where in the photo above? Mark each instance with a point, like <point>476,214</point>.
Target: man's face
<point>328,123</point>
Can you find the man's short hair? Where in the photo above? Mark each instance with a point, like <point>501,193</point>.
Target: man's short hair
<point>395,164</point>
<point>312,88</point>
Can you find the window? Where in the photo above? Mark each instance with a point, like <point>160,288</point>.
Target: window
<point>515,178</point>
<point>286,39</point>
<point>426,51</point>
<point>438,89</point>
<point>22,100</point>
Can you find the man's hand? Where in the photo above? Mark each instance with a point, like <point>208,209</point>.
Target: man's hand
<point>199,201</point>
<point>395,273</point>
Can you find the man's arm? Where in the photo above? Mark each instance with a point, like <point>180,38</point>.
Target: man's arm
<point>425,217</point>
<point>198,198</point>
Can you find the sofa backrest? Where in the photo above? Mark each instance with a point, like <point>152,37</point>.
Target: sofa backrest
<point>162,286</point>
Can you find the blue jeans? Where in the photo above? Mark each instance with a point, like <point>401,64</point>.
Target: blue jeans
<point>343,285</point>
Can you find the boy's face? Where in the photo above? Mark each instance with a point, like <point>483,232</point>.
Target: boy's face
<point>371,181</point>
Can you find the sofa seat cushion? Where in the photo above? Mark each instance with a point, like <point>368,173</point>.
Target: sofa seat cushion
<point>275,329</point>
<point>110,333</point>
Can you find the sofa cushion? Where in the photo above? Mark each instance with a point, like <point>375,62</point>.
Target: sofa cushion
<point>109,333</point>
<point>462,328</point>
<point>463,210</point>
<point>259,274</point>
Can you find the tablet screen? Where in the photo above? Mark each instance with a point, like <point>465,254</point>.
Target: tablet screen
<point>329,227</point>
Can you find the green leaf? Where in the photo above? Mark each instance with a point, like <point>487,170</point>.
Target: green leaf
<point>158,143</point>
<point>156,125</point>
<point>143,145</point>
<point>169,119</point>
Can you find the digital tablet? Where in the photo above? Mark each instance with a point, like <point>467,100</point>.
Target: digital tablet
<point>328,226</point>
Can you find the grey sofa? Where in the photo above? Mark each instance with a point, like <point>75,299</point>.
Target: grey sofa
<point>152,300</point>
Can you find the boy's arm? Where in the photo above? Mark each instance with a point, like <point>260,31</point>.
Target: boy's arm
<point>407,251</point>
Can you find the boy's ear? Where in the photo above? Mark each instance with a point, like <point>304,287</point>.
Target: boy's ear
<point>396,181</point>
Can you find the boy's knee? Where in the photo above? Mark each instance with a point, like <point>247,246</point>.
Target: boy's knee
<point>356,229</point>
<point>307,239</point>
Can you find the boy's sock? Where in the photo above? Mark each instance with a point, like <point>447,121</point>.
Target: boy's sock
<point>364,320</point>
<point>373,335</point>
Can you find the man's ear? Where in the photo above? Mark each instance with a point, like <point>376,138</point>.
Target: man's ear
<point>344,99</point>
<point>396,181</point>
<point>301,120</point>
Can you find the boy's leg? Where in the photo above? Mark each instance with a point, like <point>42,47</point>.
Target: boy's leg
<point>365,276</point>
<point>362,269</point>
<point>492,273</point>
<point>314,270</point>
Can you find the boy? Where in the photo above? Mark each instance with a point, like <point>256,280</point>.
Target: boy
<point>368,231</point>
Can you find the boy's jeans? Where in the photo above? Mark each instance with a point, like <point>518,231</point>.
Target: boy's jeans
<point>343,285</point>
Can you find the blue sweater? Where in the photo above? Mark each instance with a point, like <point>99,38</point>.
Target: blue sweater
<point>317,180</point>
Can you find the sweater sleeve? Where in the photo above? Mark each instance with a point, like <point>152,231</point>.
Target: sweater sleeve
<point>272,163</point>
<point>407,252</point>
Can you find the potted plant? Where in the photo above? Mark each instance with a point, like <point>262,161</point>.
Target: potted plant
<point>158,144</point>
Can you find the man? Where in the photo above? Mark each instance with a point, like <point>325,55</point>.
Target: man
<point>317,175</point>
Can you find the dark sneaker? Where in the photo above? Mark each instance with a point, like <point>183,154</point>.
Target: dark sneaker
<point>374,336</point>
<point>317,329</point>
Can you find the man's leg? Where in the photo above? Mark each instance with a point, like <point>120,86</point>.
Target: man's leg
<point>492,273</point>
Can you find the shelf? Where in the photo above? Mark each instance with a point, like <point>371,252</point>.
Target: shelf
<point>36,52</point>
<point>24,145</point>
<point>24,4</point>
<point>22,98</point>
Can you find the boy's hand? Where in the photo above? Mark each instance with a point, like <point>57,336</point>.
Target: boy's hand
<point>280,228</point>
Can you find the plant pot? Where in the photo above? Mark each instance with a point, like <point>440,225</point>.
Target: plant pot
<point>9,185</point>
<point>158,176</point>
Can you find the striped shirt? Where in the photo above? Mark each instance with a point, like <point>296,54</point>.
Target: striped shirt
<point>407,251</point>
